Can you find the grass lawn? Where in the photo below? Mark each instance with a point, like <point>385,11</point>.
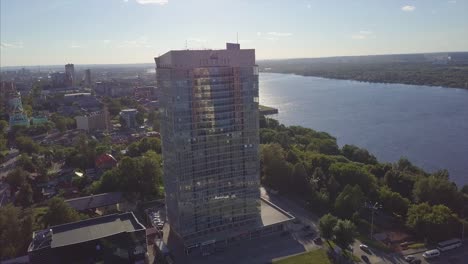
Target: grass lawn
<point>417,245</point>
<point>318,256</point>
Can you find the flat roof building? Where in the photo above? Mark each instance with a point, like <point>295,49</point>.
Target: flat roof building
<point>129,115</point>
<point>94,121</point>
<point>116,238</point>
<point>210,142</point>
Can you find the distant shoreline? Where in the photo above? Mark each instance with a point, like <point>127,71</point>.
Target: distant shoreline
<point>364,81</point>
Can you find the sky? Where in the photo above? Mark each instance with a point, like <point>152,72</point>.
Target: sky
<point>56,32</point>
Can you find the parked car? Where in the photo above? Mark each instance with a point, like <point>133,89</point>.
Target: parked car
<point>365,259</point>
<point>410,258</point>
<point>364,247</point>
<point>431,254</point>
<point>318,240</point>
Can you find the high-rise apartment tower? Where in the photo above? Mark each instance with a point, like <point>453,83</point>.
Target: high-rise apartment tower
<point>210,142</point>
<point>70,75</point>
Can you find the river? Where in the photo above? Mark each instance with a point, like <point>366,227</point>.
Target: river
<point>428,125</point>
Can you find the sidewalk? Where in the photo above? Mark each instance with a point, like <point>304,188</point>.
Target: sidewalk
<point>413,251</point>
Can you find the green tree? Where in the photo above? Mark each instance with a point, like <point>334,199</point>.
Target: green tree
<point>318,177</point>
<point>3,126</point>
<point>26,144</point>
<point>59,212</point>
<point>353,174</point>
<point>25,195</point>
<point>140,175</point>
<point>300,179</point>
<point>349,201</point>
<point>276,170</point>
<point>464,189</point>
<point>3,142</point>
<point>345,233</point>
<point>17,177</point>
<point>358,154</point>
<point>325,146</point>
<point>114,107</point>
<point>25,162</point>
<point>393,202</point>
<point>434,223</point>
<point>326,225</point>
<point>399,182</point>
<point>16,227</point>
<point>437,190</point>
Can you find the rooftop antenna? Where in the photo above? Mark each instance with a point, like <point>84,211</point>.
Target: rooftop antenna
<point>237,37</point>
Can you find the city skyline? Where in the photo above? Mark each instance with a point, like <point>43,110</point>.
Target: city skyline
<point>135,31</point>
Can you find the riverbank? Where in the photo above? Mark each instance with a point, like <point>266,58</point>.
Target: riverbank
<point>425,124</point>
<point>266,110</point>
<point>449,75</point>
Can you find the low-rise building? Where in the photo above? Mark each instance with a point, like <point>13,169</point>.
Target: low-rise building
<point>113,89</point>
<point>102,203</point>
<point>94,121</point>
<point>115,238</point>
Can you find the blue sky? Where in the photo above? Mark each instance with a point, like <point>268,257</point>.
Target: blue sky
<point>42,32</point>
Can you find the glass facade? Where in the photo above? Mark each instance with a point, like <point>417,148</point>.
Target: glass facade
<point>210,143</point>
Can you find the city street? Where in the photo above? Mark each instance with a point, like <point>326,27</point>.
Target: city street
<point>454,256</point>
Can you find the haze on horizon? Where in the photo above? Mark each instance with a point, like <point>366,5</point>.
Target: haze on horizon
<point>54,32</point>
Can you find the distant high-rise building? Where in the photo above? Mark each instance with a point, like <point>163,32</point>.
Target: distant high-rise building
<point>210,143</point>
<point>59,80</point>
<point>87,78</point>
<point>70,75</point>
<point>129,115</point>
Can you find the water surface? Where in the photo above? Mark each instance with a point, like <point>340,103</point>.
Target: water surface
<point>428,125</point>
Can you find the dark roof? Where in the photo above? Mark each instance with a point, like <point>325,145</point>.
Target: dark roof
<point>86,230</point>
<point>95,201</point>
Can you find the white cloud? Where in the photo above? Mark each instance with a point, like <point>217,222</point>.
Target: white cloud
<point>125,1</point>
<point>154,2</point>
<point>452,2</point>
<point>106,41</point>
<point>13,45</point>
<point>196,40</point>
<point>358,36</point>
<point>309,6</point>
<point>141,42</point>
<point>363,34</point>
<point>279,34</point>
<point>408,8</point>
<point>259,33</point>
<point>74,46</point>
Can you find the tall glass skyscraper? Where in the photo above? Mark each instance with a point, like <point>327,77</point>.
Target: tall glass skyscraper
<point>210,142</point>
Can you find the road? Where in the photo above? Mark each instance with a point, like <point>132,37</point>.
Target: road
<point>454,256</point>
<point>9,163</point>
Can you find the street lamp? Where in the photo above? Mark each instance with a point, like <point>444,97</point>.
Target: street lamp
<point>373,207</point>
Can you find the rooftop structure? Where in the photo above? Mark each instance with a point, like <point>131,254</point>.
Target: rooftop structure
<point>90,239</point>
<point>95,201</point>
